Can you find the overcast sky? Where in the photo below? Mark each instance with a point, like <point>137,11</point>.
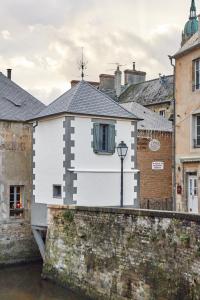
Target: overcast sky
<point>41,40</point>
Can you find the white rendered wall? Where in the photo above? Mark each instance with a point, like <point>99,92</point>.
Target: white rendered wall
<point>98,176</point>
<point>48,160</point>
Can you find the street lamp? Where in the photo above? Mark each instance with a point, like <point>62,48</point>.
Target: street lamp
<point>122,151</point>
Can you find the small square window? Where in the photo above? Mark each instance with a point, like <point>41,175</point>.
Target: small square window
<point>162,113</point>
<point>57,191</point>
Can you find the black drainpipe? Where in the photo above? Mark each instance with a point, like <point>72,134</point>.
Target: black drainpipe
<point>174,134</point>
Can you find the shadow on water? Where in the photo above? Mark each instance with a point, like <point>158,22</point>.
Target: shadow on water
<point>25,283</point>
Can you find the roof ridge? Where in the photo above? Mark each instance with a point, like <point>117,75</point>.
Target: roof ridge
<point>105,95</point>
<point>78,85</point>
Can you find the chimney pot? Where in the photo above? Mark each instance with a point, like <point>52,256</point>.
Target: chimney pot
<point>9,74</point>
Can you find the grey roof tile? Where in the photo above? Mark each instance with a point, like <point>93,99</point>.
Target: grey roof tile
<point>15,103</point>
<point>151,120</point>
<point>85,99</point>
<point>149,92</point>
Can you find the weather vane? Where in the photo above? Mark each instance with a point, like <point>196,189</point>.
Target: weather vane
<point>82,65</point>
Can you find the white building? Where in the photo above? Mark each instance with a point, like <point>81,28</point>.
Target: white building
<point>75,159</point>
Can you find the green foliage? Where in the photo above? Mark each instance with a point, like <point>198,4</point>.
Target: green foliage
<point>185,239</point>
<point>68,216</point>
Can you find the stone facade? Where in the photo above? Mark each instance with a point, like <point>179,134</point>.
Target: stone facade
<point>17,243</point>
<point>187,148</point>
<point>121,254</point>
<point>16,240</point>
<point>155,185</point>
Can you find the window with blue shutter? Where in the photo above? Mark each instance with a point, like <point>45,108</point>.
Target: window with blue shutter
<point>104,138</point>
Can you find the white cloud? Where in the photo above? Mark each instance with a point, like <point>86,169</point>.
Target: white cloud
<point>42,40</point>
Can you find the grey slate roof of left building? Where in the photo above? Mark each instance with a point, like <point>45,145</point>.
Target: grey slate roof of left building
<point>151,120</point>
<point>15,103</point>
<point>150,92</point>
<point>85,99</point>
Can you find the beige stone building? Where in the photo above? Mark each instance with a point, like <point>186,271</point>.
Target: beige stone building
<point>187,145</point>
<point>16,107</point>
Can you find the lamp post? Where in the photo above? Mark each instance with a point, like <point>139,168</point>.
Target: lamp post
<point>122,151</point>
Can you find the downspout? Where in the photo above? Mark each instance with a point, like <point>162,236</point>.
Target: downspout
<point>174,134</point>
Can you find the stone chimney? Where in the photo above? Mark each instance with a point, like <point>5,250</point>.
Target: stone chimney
<point>9,74</point>
<point>133,76</point>
<point>118,81</point>
<point>107,82</point>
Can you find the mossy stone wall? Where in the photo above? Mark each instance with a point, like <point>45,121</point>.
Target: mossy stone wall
<point>121,254</point>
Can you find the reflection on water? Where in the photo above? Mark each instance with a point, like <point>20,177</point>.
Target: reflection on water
<point>25,283</point>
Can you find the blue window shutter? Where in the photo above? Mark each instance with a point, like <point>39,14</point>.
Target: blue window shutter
<point>96,137</point>
<point>111,139</point>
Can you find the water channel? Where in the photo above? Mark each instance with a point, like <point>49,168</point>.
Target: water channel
<point>25,283</point>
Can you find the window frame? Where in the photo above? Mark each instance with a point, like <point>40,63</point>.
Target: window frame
<point>162,113</point>
<point>196,136</point>
<point>57,196</point>
<point>195,85</point>
<point>110,136</point>
<point>16,212</point>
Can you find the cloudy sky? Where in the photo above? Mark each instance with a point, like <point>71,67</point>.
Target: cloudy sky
<point>41,40</point>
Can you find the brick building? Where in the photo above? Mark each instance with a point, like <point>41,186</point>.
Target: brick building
<point>154,158</point>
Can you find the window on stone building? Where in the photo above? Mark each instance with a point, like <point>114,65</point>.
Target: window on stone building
<point>196,75</point>
<point>196,131</point>
<point>162,113</point>
<point>57,191</point>
<point>16,201</point>
<point>104,138</point>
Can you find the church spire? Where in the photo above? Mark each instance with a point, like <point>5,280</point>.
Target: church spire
<point>193,11</point>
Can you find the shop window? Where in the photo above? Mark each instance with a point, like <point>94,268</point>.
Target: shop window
<point>16,201</point>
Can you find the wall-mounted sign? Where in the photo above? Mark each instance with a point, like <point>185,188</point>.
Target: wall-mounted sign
<point>154,145</point>
<point>157,165</point>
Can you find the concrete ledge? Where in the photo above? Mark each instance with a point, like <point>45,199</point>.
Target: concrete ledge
<point>129,211</point>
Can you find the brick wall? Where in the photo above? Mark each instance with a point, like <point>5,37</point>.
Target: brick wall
<point>120,254</point>
<point>155,185</point>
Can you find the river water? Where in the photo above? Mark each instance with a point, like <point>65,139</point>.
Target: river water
<point>25,283</point>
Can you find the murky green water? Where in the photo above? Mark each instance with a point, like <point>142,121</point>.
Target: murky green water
<point>25,283</point>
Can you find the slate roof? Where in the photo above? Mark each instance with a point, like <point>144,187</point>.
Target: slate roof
<point>150,92</point>
<point>85,99</point>
<point>15,103</point>
<point>151,120</point>
<point>193,42</point>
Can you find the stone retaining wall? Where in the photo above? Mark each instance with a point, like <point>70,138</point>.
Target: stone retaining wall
<point>124,254</point>
<point>17,243</point>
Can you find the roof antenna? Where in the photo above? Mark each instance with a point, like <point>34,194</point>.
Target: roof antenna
<point>82,65</point>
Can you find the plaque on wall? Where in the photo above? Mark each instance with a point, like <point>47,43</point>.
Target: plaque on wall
<point>157,165</point>
<point>154,145</point>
